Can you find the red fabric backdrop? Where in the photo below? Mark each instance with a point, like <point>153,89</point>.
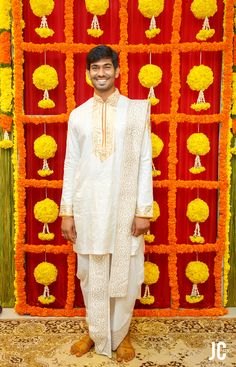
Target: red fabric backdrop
<point>136,26</point>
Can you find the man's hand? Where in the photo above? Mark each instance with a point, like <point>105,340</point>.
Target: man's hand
<point>68,229</point>
<point>140,226</point>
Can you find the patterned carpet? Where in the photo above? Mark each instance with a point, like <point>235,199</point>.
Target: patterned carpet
<point>159,342</point>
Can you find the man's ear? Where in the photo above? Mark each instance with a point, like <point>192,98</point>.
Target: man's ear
<point>117,72</point>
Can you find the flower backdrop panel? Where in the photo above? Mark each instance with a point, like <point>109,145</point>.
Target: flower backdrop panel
<point>6,174</point>
<point>188,82</point>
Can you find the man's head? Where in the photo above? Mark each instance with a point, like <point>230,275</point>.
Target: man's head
<point>101,52</point>
<point>102,69</point>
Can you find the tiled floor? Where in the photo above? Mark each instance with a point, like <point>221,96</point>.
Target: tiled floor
<point>9,313</point>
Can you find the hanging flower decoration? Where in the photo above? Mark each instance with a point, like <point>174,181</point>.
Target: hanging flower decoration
<point>203,9</point>
<point>88,80</point>
<point>46,211</point>
<point>149,77</point>
<point>156,211</point>
<point>200,78</point>
<point>197,211</point>
<point>45,147</point>
<point>96,7</point>
<point>157,146</point>
<point>197,272</point>
<point>42,8</point>
<point>45,78</point>
<point>45,273</point>
<point>149,238</point>
<point>151,276</point>
<point>198,144</point>
<point>6,143</point>
<point>151,9</point>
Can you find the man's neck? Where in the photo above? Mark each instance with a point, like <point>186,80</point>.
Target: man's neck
<point>105,95</point>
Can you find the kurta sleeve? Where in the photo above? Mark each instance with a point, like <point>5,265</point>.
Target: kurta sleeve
<point>71,161</point>
<point>144,205</point>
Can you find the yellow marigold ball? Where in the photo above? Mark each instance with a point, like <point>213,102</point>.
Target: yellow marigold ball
<point>197,272</point>
<point>88,80</point>
<point>46,103</point>
<point>6,144</point>
<point>47,300</point>
<point>150,75</point>
<point>200,77</point>
<point>45,273</point>
<point>97,7</point>
<point>95,32</point>
<point>157,145</point>
<point>197,210</point>
<point>45,147</point>
<point>197,239</point>
<point>151,273</point>
<point>149,238</point>
<point>194,299</point>
<point>196,170</point>
<point>156,211</point>
<point>200,106</point>
<point>45,172</point>
<point>42,7</point>
<point>204,34</point>
<point>149,300</point>
<point>152,33</point>
<point>203,8</point>
<point>46,211</point>
<point>45,77</point>
<point>150,8</point>
<point>44,32</point>
<point>46,236</point>
<point>198,144</point>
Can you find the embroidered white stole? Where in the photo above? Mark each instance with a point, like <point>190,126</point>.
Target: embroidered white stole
<point>137,116</point>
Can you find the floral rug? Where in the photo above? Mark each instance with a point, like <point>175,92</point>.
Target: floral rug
<point>160,342</point>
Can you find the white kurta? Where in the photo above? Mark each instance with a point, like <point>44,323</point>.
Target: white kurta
<point>95,140</point>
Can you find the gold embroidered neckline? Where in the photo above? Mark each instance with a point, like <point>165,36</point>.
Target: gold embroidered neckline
<point>111,100</point>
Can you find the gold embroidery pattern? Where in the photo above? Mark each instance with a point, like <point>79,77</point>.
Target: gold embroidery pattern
<point>98,300</point>
<point>103,118</point>
<point>66,210</point>
<point>145,211</point>
<point>136,121</point>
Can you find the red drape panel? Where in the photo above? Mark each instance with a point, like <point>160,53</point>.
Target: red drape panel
<point>110,23</point>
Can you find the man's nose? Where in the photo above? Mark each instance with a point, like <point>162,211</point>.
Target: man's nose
<point>100,72</point>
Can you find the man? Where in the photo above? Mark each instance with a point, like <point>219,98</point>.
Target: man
<point>106,204</point>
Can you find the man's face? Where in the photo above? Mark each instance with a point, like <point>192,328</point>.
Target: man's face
<point>103,74</point>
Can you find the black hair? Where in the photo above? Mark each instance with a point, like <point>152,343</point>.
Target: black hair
<point>102,52</point>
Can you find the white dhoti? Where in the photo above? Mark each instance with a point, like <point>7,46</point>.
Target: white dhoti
<point>108,317</point>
